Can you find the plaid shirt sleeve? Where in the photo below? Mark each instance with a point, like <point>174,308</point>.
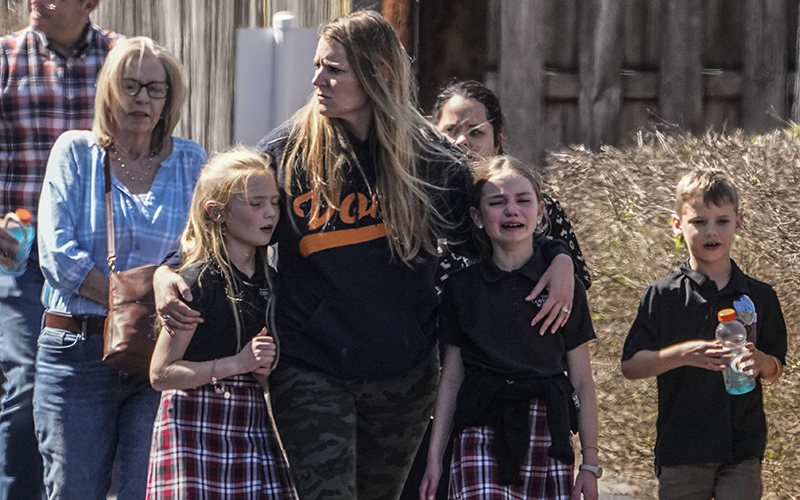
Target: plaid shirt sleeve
<point>42,95</point>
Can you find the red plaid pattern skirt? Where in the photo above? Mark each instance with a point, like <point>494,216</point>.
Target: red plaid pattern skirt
<point>474,472</point>
<point>206,446</point>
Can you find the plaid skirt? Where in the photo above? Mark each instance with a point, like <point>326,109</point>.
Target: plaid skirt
<point>474,472</point>
<point>209,446</point>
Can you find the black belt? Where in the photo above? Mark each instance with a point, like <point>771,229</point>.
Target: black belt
<point>75,324</point>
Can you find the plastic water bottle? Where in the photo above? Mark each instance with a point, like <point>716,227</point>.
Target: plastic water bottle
<point>746,314</point>
<point>18,225</point>
<point>733,335</point>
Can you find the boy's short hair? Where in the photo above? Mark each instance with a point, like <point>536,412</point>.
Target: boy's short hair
<point>712,185</point>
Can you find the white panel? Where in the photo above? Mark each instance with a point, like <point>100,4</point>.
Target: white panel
<point>254,70</point>
<point>274,68</point>
<point>294,69</point>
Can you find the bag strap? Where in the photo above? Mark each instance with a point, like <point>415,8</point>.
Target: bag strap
<point>112,254</point>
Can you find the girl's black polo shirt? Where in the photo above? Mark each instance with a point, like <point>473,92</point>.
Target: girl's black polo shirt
<point>216,336</point>
<point>484,312</point>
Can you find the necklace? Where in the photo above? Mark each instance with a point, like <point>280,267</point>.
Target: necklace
<point>128,165</point>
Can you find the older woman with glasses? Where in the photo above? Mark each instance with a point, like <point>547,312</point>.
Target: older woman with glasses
<point>87,412</point>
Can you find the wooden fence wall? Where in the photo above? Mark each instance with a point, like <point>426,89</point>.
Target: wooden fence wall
<point>567,71</point>
<point>595,71</point>
<point>13,15</point>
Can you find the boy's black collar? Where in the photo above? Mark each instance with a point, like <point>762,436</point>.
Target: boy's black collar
<point>737,283</point>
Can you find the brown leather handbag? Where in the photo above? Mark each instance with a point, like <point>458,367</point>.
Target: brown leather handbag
<point>129,336</point>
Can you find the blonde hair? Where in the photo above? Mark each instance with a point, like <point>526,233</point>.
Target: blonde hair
<point>492,168</point>
<point>319,146</point>
<point>712,185</point>
<point>224,176</point>
<point>109,91</point>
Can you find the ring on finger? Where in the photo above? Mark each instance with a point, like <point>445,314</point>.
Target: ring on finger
<point>565,309</point>
<point>166,317</point>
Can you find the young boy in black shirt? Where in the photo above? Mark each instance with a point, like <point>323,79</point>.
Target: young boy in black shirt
<point>710,443</point>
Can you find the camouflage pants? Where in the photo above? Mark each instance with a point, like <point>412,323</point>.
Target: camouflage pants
<point>352,439</point>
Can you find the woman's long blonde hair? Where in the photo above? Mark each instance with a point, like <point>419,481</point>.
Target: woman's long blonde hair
<point>319,146</point>
<point>224,176</point>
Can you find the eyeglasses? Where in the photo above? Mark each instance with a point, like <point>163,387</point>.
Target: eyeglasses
<point>156,90</point>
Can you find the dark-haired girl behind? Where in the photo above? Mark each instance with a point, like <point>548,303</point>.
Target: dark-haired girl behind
<point>469,114</point>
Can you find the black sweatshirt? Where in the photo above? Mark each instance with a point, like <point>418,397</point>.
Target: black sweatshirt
<point>345,305</point>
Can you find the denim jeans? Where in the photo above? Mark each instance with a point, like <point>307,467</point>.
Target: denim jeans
<point>20,321</point>
<point>87,412</point>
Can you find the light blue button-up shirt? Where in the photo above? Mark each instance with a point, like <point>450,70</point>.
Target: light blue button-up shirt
<point>72,216</point>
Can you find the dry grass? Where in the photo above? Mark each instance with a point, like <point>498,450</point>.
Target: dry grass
<point>620,201</point>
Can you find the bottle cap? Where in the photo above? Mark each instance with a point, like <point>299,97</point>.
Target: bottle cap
<point>726,315</point>
<point>24,215</point>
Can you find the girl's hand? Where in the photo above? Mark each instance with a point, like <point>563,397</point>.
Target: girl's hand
<point>264,352</point>
<point>560,283</point>
<point>430,482</point>
<point>586,483</point>
<point>257,355</point>
<point>175,313</point>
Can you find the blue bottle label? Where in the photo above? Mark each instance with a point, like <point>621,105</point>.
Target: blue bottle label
<point>21,259</point>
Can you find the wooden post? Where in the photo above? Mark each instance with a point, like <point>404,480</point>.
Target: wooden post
<point>400,14</point>
<point>764,92</point>
<point>796,104</point>
<point>681,83</point>
<point>599,68</point>
<point>521,81</point>
<point>452,43</point>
